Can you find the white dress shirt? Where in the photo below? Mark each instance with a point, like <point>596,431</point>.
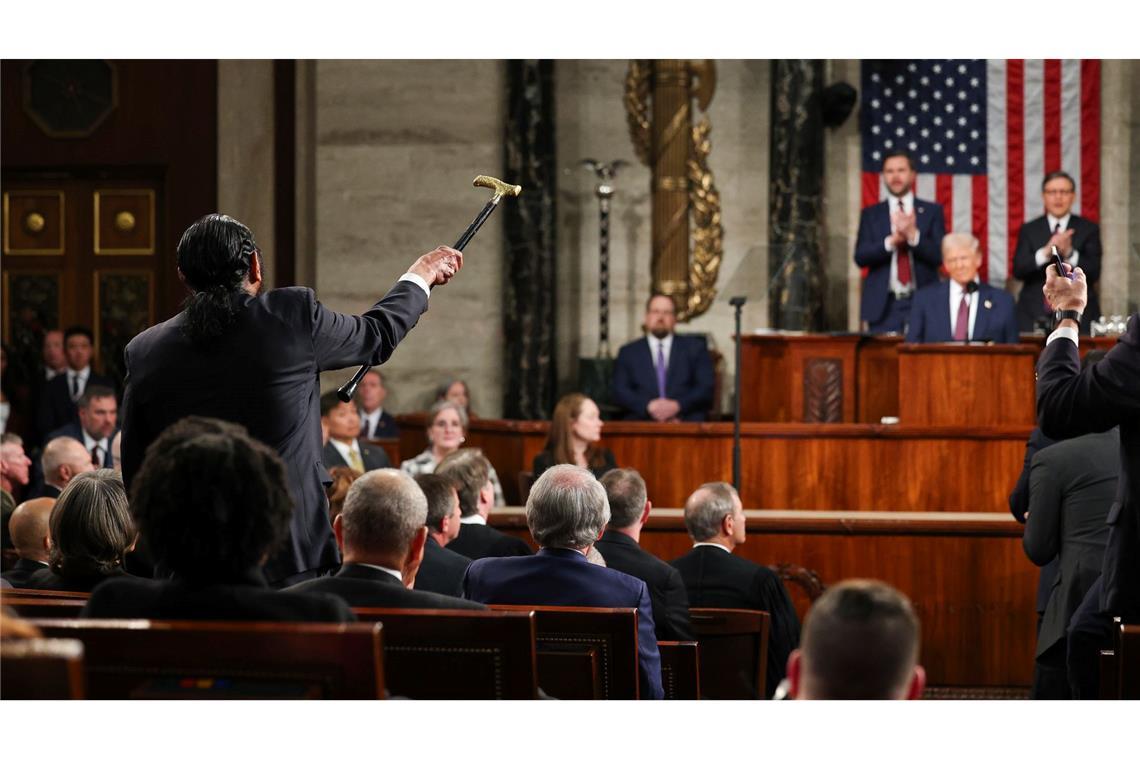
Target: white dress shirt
<point>1044,255</point>
<point>344,448</point>
<point>473,520</point>
<point>82,376</point>
<point>956,292</point>
<point>908,207</point>
<point>394,573</point>
<point>722,547</point>
<point>413,277</point>
<point>368,422</point>
<point>104,444</point>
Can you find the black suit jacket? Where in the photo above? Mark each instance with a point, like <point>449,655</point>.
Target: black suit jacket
<point>1070,403</point>
<point>44,490</point>
<point>46,578</point>
<point>1032,236</point>
<point>715,578</point>
<point>666,589</point>
<point>1019,505</point>
<point>1072,485</point>
<point>21,571</point>
<point>385,428</point>
<point>364,586</point>
<point>477,541</point>
<point>56,408</point>
<point>874,226</point>
<point>689,378</point>
<point>442,570</point>
<point>245,598</point>
<point>263,374</point>
<point>373,457</point>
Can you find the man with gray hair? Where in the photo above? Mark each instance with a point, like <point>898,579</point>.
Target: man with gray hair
<point>962,308</point>
<point>629,511</point>
<point>567,511</point>
<point>62,460</point>
<point>715,577</point>
<point>381,533</point>
<point>860,642</point>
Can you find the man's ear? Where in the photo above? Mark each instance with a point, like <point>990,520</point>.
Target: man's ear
<point>415,557</point>
<point>254,274</point>
<point>645,512</point>
<point>917,683</point>
<point>338,531</point>
<point>726,524</point>
<point>795,673</point>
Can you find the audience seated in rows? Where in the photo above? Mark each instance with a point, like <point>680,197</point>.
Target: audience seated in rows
<point>370,395</point>
<point>469,473</point>
<point>442,569</point>
<point>446,432</point>
<point>98,416</point>
<point>715,577</point>
<point>575,429</point>
<point>91,532</point>
<point>57,403</point>
<point>344,449</point>
<point>62,460</point>
<point>567,512</point>
<point>342,480</point>
<point>629,511</point>
<point>15,467</point>
<point>209,535</point>
<point>860,642</point>
<point>457,392</point>
<point>31,537</point>
<point>381,533</point>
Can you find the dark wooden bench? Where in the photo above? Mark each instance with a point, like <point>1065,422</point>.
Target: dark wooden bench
<point>42,669</point>
<point>734,652</point>
<point>213,660</point>
<point>585,652</point>
<point>1128,661</point>
<point>44,593</point>
<point>43,607</point>
<point>457,654</point>
<point>680,669</point>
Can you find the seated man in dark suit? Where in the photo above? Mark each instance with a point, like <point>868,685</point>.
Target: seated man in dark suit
<point>98,419</point>
<point>1072,485</point>
<point>962,308</point>
<point>28,527</point>
<point>381,534</point>
<point>860,642</point>
<point>370,395</point>
<point>567,512</point>
<point>442,569</point>
<point>714,577</point>
<point>469,473</point>
<point>344,449</point>
<point>62,460</point>
<point>57,402</point>
<point>629,511</point>
<point>664,376</point>
<point>210,535</point>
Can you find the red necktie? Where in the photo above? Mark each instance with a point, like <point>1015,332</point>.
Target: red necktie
<point>904,255</point>
<point>962,326</point>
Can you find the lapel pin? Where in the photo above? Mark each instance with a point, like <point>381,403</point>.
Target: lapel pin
<point>988,304</point>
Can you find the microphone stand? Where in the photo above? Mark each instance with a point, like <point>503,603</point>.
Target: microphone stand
<point>737,302</point>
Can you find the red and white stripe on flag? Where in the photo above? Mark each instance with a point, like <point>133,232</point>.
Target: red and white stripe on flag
<point>1041,116</point>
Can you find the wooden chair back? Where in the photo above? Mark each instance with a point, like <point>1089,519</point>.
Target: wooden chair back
<point>680,669</point>
<point>150,659</point>
<point>42,669</point>
<point>734,652</point>
<point>43,607</point>
<point>44,593</point>
<point>457,654</point>
<point>585,652</point>
<point>1128,657</point>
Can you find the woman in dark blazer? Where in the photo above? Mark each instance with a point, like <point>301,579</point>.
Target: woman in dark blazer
<point>575,430</point>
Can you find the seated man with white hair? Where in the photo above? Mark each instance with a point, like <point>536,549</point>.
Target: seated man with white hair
<point>381,533</point>
<point>962,308</point>
<point>567,511</point>
<point>62,460</point>
<point>860,642</point>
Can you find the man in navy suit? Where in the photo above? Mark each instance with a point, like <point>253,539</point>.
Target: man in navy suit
<point>898,243</point>
<point>949,311</point>
<point>374,421</point>
<point>57,403</point>
<point>567,512</point>
<point>1077,240</point>
<point>664,376</point>
<point>343,449</point>
<point>98,418</point>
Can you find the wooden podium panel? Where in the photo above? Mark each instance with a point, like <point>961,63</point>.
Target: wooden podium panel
<point>966,385</point>
<point>971,585</point>
<point>798,377</point>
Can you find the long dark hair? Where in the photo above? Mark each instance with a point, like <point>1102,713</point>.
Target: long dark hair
<point>215,255</point>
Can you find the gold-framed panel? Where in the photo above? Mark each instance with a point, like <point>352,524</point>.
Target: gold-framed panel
<point>28,314</point>
<point>48,219</point>
<point>124,222</point>
<point>122,310</point>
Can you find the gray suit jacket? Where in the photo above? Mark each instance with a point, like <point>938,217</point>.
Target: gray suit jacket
<point>1072,485</point>
<point>263,374</point>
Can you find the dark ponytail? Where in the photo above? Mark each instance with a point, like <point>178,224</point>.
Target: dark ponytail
<point>214,256</point>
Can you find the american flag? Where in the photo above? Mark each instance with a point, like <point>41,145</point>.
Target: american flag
<point>983,135</point>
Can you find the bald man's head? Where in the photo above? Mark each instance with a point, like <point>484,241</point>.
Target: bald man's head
<point>29,528</point>
<point>63,459</point>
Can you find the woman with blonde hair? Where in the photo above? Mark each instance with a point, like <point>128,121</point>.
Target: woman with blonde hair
<point>446,431</point>
<point>575,429</point>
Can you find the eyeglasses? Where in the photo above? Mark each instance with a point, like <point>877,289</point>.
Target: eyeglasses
<point>1058,192</point>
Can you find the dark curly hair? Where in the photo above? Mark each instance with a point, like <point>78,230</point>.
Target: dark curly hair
<point>215,256</point>
<point>211,501</point>
<point>90,526</point>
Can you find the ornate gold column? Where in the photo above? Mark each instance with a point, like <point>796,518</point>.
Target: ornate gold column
<point>682,184</point>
